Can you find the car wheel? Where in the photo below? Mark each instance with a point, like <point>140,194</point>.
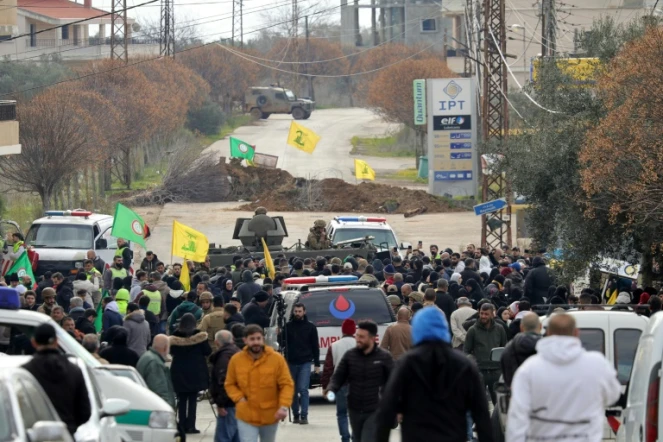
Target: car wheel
<point>261,100</point>
<point>265,115</point>
<point>307,115</point>
<point>498,436</point>
<point>256,113</point>
<point>298,113</point>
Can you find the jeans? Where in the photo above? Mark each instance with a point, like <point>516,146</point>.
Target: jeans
<point>226,427</point>
<point>250,433</point>
<point>301,374</point>
<point>490,378</point>
<point>363,425</point>
<point>186,410</point>
<point>470,433</point>
<point>342,413</point>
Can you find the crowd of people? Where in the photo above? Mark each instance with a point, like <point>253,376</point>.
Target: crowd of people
<point>450,308</point>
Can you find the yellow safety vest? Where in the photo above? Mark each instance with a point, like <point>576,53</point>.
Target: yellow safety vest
<point>119,252</point>
<point>96,273</point>
<point>155,301</point>
<point>18,246</point>
<point>118,273</point>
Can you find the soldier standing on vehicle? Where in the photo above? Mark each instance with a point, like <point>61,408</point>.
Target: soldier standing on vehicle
<point>317,239</point>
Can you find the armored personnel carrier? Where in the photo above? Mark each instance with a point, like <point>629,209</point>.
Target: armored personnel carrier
<point>250,231</point>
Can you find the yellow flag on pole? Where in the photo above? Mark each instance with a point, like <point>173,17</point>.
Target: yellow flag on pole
<point>268,260</point>
<point>363,171</point>
<point>185,278</point>
<point>189,243</point>
<point>302,138</point>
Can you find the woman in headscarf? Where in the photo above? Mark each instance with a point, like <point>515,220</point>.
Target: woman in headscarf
<point>189,348</point>
<point>454,286</point>
<point>227,290</point>
<point>472,291</point>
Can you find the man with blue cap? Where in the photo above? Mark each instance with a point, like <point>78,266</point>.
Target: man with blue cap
<point>433,387</point>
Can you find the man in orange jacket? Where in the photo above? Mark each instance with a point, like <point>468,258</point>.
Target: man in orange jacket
<point>259,382</point>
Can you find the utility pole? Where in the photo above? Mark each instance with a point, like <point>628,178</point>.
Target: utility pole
<point>469,47</point>
<point>309,79</point>
<point>295,42</point>
<point>238,23</point>
<point>167,31</point>
<point>119,28</point>
<point>548,28</point>
<point>496,226</point>
<point>445,47</point>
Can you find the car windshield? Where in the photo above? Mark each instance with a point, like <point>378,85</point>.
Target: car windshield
<point>380,236</point>
<point>290,95</point>
<point>60,236</point>
<point>327,308</point>
<point>6,425</point>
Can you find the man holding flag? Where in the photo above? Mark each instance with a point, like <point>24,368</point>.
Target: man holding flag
<point>128,226</point>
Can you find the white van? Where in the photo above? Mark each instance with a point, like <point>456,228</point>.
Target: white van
<point>150,417</point>
<point>62,239</point>
<point>642,417</point>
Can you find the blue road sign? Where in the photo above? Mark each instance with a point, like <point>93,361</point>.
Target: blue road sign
<point>489,207</point>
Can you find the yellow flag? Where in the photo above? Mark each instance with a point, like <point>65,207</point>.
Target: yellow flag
<point>613,298</point>
<point>302,138</point>
<point>268,260</point>
<point>189,243</point>
<point>363,171</point>
<point>185,279</point>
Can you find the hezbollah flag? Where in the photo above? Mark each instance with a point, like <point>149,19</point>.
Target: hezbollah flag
<point>302,138</point>
<point>22,267</point>
<point>271,271</point>
<point>189,243</point>
<point>128,225</point>
<point>363,171</point>
<point>185,277</point>
<point>611,297</point>
<point>240,149</point>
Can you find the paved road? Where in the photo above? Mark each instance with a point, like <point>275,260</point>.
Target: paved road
<point>322,424</point>
<point>331,158</point>
<point>217,222</point>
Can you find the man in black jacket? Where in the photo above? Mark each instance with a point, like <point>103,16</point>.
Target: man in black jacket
<point>434,387</point>
<point>62,381</point>
<point>521,347</point>
<point>254,311</point>
<point>301,349</point>
<point>537,282</point>
<point>85,324</point>
<point>443,299</point>
<point>226,423</point>
<point>366,370</point>
<point>64,290</point>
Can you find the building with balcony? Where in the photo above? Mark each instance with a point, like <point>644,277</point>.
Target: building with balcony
<point>71,39</point>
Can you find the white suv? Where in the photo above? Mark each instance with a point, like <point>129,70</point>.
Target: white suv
<point>345,228</point>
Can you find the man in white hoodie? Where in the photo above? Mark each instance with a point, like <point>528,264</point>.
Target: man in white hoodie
<point>561,393</point>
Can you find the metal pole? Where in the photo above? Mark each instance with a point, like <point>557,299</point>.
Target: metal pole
<point>524,56</point>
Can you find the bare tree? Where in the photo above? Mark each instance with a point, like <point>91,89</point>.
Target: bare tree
<point>186,33</point>
<point>57,139</point>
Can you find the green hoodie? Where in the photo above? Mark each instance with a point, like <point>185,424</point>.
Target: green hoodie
<point>480,340</point>
<point>181,310</point>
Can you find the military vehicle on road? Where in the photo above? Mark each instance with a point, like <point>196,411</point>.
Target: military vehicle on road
<point>251,231</point>
<point>261,102</point>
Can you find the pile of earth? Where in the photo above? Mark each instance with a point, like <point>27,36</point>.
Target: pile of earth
<point>277,190</point>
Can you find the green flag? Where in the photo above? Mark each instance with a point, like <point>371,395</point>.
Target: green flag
<point>128,225</point>
<point>22,267</point>
<point>240,149</point>
<point>100,312</point>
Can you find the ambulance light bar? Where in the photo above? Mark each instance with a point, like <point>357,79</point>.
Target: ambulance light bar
<point>361,219</point>
<point>320,279</point>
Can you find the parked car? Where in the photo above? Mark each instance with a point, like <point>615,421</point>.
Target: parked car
<point>26,413</point>
<point>642,415</point>
<point>613,333</point>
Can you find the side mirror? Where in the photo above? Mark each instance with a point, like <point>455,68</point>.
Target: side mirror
<point>496,354</point>
<point>101,243</point>
<point>49,431</point>
<point>115,407</point>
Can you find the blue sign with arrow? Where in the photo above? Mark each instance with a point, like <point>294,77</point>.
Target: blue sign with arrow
<point>490,207</point>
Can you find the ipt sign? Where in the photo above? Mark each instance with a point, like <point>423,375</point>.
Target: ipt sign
<point>452,98</point>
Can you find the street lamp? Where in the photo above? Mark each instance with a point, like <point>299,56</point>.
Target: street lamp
<point>513,28</point>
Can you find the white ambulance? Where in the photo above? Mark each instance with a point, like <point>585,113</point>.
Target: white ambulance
<point>329,300</point>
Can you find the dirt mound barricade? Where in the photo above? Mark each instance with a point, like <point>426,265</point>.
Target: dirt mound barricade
<point>277,190</point>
